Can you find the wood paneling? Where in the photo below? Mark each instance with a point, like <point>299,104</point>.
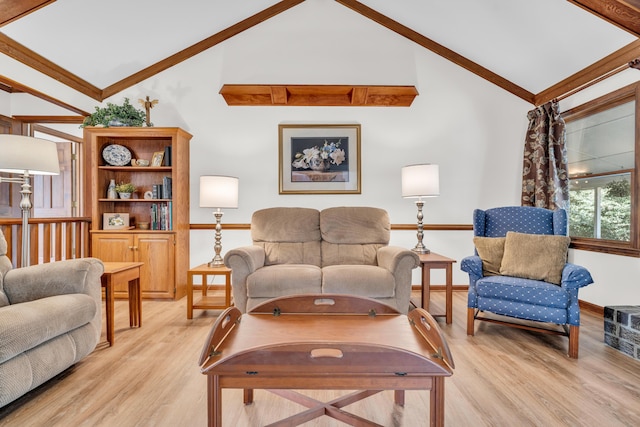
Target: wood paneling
<point>319,95</point>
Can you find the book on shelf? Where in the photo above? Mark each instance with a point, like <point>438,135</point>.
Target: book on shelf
<point>167,156</point>
<point>161,216</point>
<point>166,187</point>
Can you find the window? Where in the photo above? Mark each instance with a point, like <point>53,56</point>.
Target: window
<point>601,150</point>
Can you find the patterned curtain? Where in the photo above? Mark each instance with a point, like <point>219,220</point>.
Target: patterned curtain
<point>545,180</point>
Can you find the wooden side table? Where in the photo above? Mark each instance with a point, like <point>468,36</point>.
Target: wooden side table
<point>208,302</point>
<point>114,274</point>
<point>434,261</point>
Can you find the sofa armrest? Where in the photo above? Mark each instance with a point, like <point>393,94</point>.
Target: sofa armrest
<point>400,262</point>
<point>243,261</point>
<point>61,277</point>
<point>575,276</point>
<point>392,257</point>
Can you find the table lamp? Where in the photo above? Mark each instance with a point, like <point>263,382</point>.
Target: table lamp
<point>420,181</point>
<point>218,192</point>
<point>27,156</point>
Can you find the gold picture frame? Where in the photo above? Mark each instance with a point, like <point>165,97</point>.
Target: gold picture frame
<point>319,159</point>
<point>156,160</point>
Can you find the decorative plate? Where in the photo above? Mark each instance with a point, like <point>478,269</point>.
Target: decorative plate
<point>116,155</point>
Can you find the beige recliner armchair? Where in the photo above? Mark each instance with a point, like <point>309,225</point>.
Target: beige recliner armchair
<point>341,250</point>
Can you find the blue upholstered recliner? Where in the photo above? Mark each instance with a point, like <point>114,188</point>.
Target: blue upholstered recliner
<point>518,297</point>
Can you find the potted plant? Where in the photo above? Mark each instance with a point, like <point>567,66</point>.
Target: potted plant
<point>125,190</point>
<point>116,115</point>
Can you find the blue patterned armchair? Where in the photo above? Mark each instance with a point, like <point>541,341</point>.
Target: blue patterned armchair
<point>518,297</point>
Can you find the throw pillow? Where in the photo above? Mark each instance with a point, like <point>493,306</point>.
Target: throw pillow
<point>535,256</point>
<point>490,250</point>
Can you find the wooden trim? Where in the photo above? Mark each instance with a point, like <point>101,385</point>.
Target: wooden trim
<point>438,49</point>
<point>623,14</point>
<point>318,95</point>
<point>57,133</point>
<point>591,308</point>
<point>396,227</point>
<point>11,10</point>
<point>199,47</point>
<point>19,87</point>
<point>584,77</point>
<point>50,119</point>
<point>33,60</point>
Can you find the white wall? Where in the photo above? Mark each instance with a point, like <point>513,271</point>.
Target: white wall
<point>470,127</point>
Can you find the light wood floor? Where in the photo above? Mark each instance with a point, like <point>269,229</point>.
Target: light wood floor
<point>503,377</point>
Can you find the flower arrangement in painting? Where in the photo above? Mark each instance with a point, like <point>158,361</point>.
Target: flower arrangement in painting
<point>320,158</point>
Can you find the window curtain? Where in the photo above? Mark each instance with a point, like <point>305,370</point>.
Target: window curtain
<point>545,179</point>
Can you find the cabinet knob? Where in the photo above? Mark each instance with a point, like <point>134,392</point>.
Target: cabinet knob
<point>131,247</point>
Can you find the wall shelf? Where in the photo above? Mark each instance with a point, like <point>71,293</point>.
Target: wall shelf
<point>318,95</point>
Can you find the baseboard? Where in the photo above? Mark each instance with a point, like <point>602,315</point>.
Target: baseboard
<point>456,288</point>
<point>591,308</point>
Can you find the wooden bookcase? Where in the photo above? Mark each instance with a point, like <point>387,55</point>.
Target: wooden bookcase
<point>165,253</point>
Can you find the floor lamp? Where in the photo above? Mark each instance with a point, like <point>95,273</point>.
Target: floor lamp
<point>26,156</point>
<point>420,181</point>
<point>218,192</point>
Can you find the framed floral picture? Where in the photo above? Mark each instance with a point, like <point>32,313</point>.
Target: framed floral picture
<point>319,159</point>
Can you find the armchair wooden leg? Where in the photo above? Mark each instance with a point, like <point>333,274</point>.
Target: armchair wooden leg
<point>574,341</point>
<point>470,318</point>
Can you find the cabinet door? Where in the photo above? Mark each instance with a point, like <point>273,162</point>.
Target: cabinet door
<point>114,247</point>
<point>156,251</point>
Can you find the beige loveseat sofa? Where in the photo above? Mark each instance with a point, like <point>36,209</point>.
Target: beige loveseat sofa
<point>341,250</point>
<point>50,318</point>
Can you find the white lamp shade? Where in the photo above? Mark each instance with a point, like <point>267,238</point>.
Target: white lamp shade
<point>420,181</point>
<point>20,154</point>
<point>218,191</point>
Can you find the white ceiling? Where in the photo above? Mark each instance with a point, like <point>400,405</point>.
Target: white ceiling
<point>534,44</point>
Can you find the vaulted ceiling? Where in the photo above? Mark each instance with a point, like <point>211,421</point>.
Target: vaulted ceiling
<point>536,50</point>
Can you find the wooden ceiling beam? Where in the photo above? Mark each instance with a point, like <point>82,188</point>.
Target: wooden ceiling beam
<point>622,13</point>
<point>18,87</point>
<point>10,10</point>
<point>21,53</point>
<point>50,119</point>
<point>199,47</point>
<point>438,49</point>
<point>318,95</point>
<point>606,65</point>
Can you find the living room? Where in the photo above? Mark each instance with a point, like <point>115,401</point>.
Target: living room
<point>472,128</point>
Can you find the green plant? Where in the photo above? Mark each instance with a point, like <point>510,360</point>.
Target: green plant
<point>115,115</point>
<point>125,188</point>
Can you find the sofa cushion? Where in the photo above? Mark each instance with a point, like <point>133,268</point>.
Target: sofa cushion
<point>535,256</point>
<point>515,289</point>
<point>362,280</point>
<point>490,250</point>
<point>289,235</point>
<point>28,324</point>
<point>284,279</point>
<point>352,234</point>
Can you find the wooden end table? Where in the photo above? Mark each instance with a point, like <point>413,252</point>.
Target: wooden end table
<point>432,261</point>
<point>208,302</point>
<point>116,273</point>
<point>325,342</point>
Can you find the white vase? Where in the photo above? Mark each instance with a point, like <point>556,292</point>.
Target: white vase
<point>111,191</point>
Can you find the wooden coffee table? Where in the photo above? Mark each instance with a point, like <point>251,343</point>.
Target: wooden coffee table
<point>330,342</point>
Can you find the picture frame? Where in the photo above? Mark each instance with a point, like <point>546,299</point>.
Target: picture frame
<point>319,159</point>
<point>115,221</point>
<point>156,159</point>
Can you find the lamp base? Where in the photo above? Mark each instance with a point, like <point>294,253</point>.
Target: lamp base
<point>421,250</point>
<point>217,261</point>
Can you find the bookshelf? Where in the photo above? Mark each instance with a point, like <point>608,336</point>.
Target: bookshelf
<point>161,199</point>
